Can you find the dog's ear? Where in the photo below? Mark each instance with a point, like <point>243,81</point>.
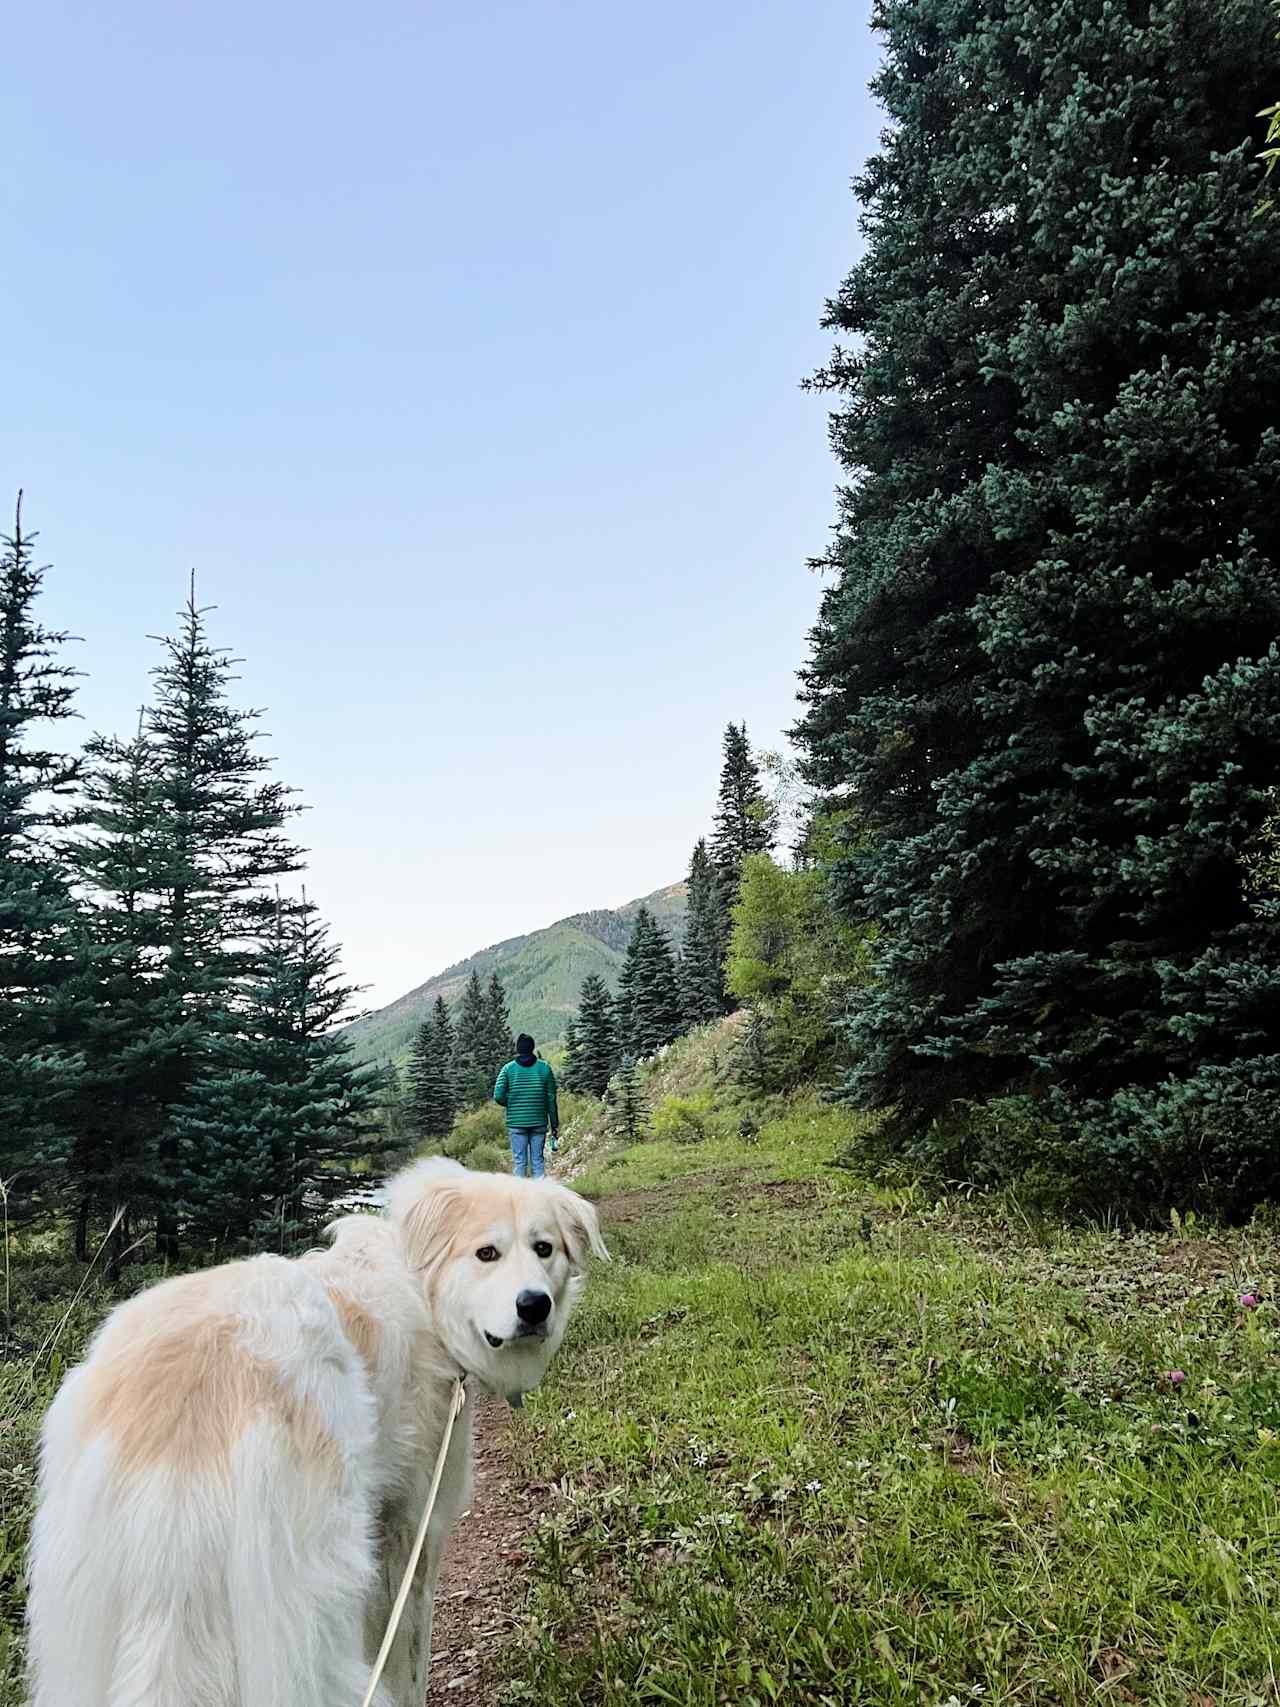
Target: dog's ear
<point>580,1225</point>
<point>423,1201</point>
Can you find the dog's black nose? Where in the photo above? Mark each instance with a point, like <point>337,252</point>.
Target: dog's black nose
<point>533,1307</point>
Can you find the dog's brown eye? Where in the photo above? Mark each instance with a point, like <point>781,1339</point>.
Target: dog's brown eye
<point>543,1248</point>
<point>488,1253</point>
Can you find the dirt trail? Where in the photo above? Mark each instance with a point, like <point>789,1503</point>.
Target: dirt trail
<point>482,1582</point>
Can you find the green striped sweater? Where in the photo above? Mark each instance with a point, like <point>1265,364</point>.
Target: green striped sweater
<point>528,1094</point>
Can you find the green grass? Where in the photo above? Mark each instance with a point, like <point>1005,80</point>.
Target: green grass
<point>817,1442</point>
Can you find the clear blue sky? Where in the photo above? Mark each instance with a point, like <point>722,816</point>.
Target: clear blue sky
<point>458,349</point>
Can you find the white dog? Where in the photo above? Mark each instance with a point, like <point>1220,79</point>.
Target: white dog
<point>231,1481</point>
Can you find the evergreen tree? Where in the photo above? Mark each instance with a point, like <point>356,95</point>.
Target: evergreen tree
<point>423,1079</point>
<point>630,1115</point>
<point>224,822</point>
<point>270,1129</point>
<point>753,1055</point>
<point>40,932</point>
<point>186,839</point>
<point>447,1044</point>
<point>649,1006</point>
<point>431,1098</point>
<point>702,962</point>
<point>571,1070</point>
<point>744,818</point>
<point>473,1046</point>
<point>135,1035</point>
<point>1045,667</point>
<point>624,1007</point>
<point>596,1038</point>
<point>398,1135</point>
<point>1271,153</point>
<point>501,1039</point>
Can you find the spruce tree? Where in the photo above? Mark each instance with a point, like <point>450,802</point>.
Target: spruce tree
<point>571,1069</point>
<point>431,1097</point>
<point>473,1046</point>
<point>447,1042</point>
<point>754,1055</point>
<point>136,1036</point>
<point>1045,667</point>
<point>703,959</point>
<point>596,1037</point>
<point>630,1114</point>
<point>40,930</point>
<point>649,1006</point>
<point>187,838</point>
<point>423,1080</point>
<point>501,1040</point>
<point>624,1000</point>
<point>744,818</point>
<point>270,1129</point>
<point>399,1137</point>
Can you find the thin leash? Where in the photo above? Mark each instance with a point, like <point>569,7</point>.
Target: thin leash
<point>457,1401</point>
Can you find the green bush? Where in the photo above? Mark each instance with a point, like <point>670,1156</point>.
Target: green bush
<point>1206,1145</point>
<point>579,1111</point>
<point>1007,1142</point>
<point>489,1159</point>
<point>794,962</point>
<point>683,1119</point>
<point>484,1125</point>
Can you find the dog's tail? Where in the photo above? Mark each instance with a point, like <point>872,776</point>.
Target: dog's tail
<point>155,1592</point>
<point>300,1567</point>
<point>72,1612</point>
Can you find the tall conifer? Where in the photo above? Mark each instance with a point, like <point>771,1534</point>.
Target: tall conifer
<point>473,1045</point>
<point>501,1041</point>
<point>703,959</point>
<point>431,1094</point>
<point>40,934</point>
<point>571,1068</point>
<point>744,817</point>
<point>649,1007</point>
<point>596,1037</point>
<point>1045,667</point>
<point>187,838</point>
<point>279,1112</point>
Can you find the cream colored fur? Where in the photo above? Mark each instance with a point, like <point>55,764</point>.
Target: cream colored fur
<point>231,1480</point>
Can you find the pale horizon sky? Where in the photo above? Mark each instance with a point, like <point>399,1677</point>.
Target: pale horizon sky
<point>458,350</point>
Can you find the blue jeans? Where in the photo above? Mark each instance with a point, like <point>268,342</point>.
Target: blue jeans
<point>526,1150</point>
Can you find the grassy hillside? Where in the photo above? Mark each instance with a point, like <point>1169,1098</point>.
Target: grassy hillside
<point>542,973</point>
<point>814,1440</point>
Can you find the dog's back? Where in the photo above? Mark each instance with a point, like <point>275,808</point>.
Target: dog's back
<point>206,1485</point>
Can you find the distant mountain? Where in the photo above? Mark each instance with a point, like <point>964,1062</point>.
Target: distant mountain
<point>542,972</point>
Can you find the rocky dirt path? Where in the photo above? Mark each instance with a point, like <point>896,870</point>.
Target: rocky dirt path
<point>482,1585</point>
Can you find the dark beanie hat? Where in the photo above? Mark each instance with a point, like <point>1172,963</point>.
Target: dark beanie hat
<point>524,1044</point>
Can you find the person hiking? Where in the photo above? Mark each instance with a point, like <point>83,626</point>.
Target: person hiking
<point>526,1089</point>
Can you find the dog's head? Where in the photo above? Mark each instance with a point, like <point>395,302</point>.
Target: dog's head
<point>502,1261</point>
